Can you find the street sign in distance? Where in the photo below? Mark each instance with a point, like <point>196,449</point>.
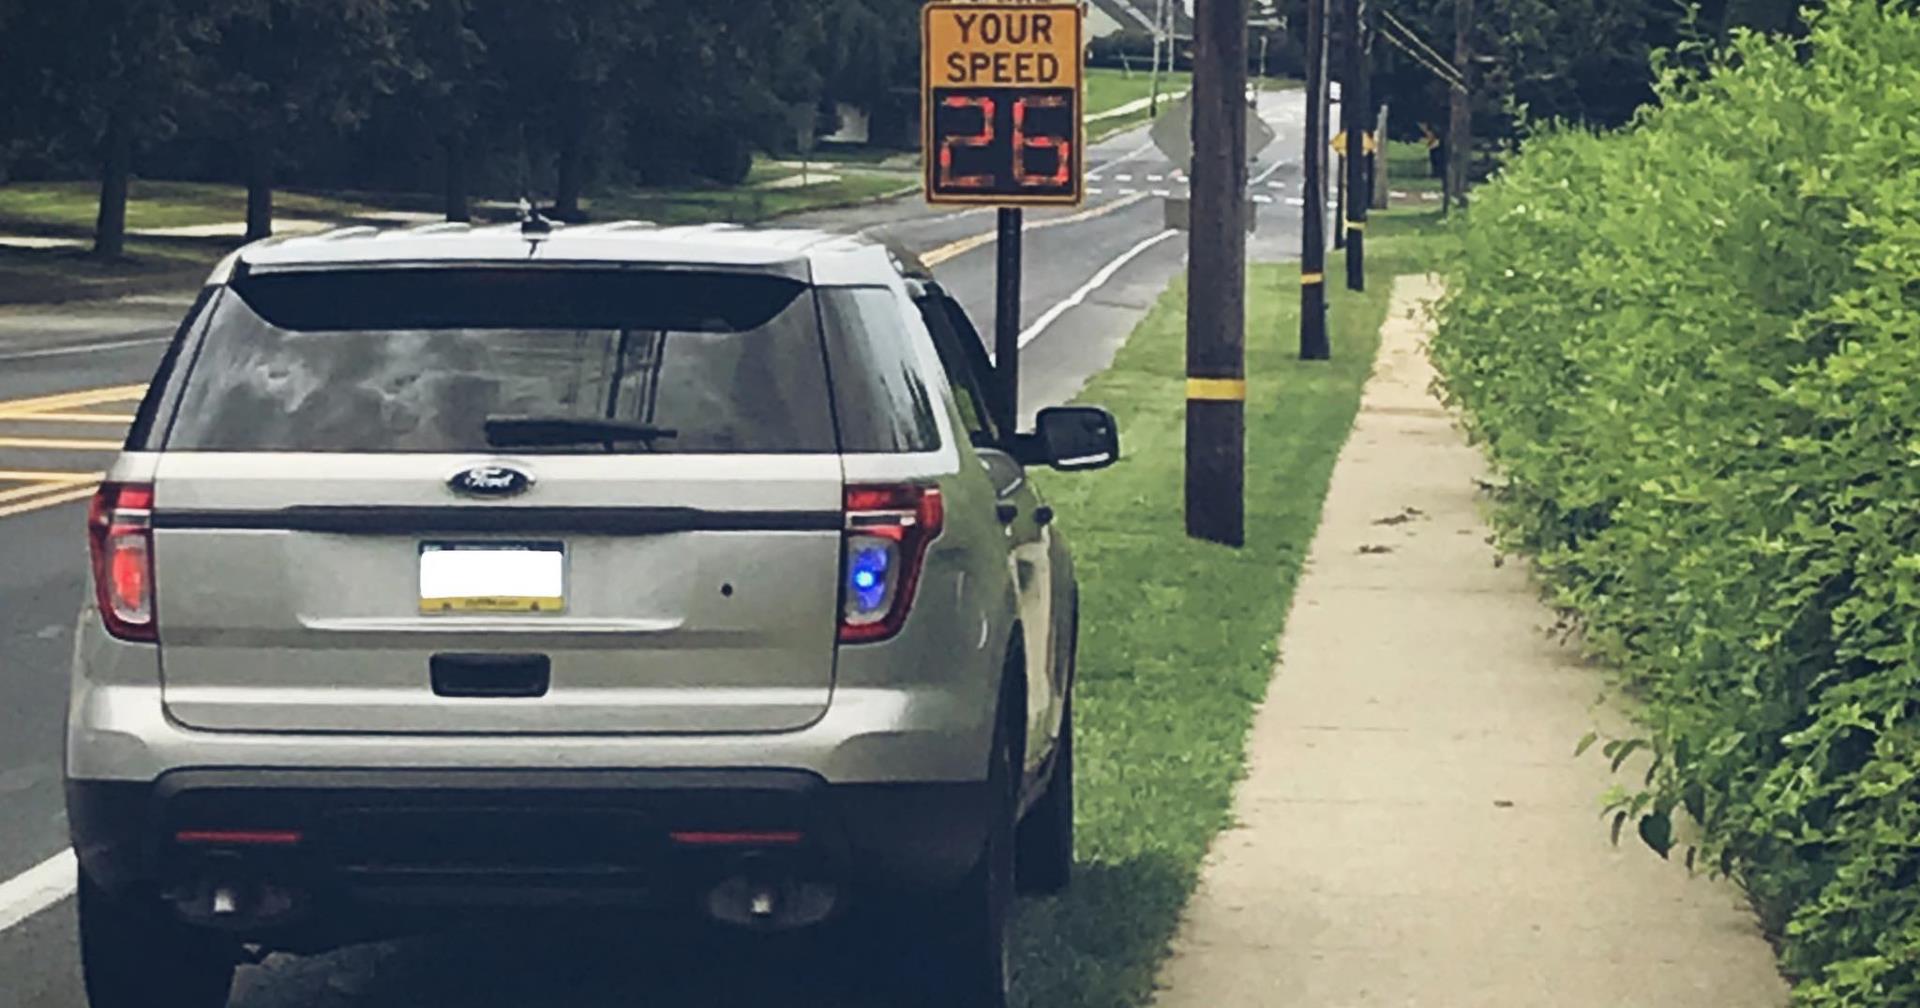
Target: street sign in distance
<point>1001,103</point>
<point>1367,143</point>
<point>1173,133</point>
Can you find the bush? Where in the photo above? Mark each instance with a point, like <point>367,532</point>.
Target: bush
<point>1691,347</point>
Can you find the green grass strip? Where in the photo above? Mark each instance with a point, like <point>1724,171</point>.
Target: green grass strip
<point>1179,638</point>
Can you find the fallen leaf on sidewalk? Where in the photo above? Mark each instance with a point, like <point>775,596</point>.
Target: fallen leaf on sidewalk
<point>1402,518</point>
<point>1375,550</point>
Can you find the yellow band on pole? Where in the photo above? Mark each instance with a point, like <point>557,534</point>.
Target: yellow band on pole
<point>1217,389</point>
<point>1356,225</point>
<point>1309,279</point>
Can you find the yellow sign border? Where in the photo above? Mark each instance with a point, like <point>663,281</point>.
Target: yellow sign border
<point>1079,196</point>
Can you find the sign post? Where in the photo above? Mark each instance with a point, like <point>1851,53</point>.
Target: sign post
<point>1001,109</point>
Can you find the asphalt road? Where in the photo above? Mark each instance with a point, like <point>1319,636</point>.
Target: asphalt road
<point>69,375</point>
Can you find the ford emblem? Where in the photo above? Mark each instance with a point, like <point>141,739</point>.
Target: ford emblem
<point>490,481</point>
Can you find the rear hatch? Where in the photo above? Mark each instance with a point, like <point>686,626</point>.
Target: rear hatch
<point>501,500</point>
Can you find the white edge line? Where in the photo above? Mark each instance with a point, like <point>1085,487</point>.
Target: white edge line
<point>1099,280</point>
<point>37,888</point>
<point>86,348</point>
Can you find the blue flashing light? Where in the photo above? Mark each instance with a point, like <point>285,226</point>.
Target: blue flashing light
<point>867,575</point>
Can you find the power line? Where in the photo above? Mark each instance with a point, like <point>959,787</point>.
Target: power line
<point>1438,67</point>
<point>1414,37</point>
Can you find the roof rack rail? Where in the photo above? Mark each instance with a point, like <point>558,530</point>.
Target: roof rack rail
<point>355,231</point>
<point>612,227</point>
<point>440,227</point>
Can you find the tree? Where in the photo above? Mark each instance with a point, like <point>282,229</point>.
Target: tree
<point>308,68</point>
<point>861,52</point>
<point>106,75</point>
<point>1585,61</point>
<point>558,61</point>
<point>718,86</point>
<point>446,89</point>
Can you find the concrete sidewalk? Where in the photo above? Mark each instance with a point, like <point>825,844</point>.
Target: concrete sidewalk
<point>1414,830</point>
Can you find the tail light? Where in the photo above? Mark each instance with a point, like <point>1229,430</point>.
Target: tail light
<point>120,529</point>
<point>888,530</point>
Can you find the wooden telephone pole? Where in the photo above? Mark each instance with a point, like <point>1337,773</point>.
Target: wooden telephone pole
<point>1356,106</point>
<point>1217,278</point>
<point>1314,345</point>
<point>1460,122</point>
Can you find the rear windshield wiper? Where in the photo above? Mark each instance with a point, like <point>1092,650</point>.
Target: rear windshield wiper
<point>533,432</point>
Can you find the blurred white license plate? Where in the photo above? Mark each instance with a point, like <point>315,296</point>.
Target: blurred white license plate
<point>493,577</point>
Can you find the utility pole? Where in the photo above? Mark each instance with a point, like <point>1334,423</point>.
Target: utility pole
<point>1460,122</point>
<point>1314,345</point>
<point>1356,106</point>
<point>1217,278</point>
<point>1159,38</point>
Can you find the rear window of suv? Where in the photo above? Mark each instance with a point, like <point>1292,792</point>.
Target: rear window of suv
<point>421,360</point>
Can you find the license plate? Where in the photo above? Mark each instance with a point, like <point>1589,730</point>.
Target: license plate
<point>493,578</point>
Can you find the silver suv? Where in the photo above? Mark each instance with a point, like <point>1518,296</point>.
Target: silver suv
<point>613,567</point>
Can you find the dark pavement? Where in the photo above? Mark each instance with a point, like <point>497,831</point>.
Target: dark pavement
<point>70,374</point>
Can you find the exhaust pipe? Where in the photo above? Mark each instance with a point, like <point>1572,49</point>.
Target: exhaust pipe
<point>764,899</point>
<point>233,902</point>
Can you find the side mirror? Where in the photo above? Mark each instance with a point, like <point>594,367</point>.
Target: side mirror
<point>1072,439</point>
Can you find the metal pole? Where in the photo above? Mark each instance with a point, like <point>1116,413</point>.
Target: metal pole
<point>1357,106</point>
<point>1006,321</point>
<point>1217,278</point>
<point>1313,252</point>
<point>1382,184</point>
<point>1339,176</point>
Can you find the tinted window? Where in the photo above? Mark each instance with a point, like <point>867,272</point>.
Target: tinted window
<point>951,335</point>
<point>419,360</point>
<point>880,396</point>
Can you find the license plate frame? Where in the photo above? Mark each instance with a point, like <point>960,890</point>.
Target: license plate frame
<point>498,578</point>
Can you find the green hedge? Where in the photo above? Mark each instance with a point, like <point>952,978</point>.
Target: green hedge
<point>1693,349</point>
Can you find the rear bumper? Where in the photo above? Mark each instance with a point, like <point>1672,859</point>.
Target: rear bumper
<point>359,846</point>
<point>932,733</point>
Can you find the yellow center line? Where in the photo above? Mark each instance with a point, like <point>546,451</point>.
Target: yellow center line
<point>58,444</point>
<point>954,250</point>
<point>49,486</point>
<point>47,476</point>
<point>72,400</point>
<point>93,418</point>
<point>42,503</point>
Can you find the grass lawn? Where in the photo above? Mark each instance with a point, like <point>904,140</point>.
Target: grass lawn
<point>67,209</point>
<point>746,205</point>
<point>1108,88</point>
<point>1119,90</point>
<point>43,275</point>
<point>1408,170</point>
<point>70,207</point>
<point>1179,638</point>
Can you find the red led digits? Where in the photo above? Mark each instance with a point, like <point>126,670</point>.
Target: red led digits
<point>1022,143</point>
<point>984,138</point>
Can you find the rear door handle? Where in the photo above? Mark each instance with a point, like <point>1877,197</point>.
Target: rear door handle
<point>1008,513</point>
